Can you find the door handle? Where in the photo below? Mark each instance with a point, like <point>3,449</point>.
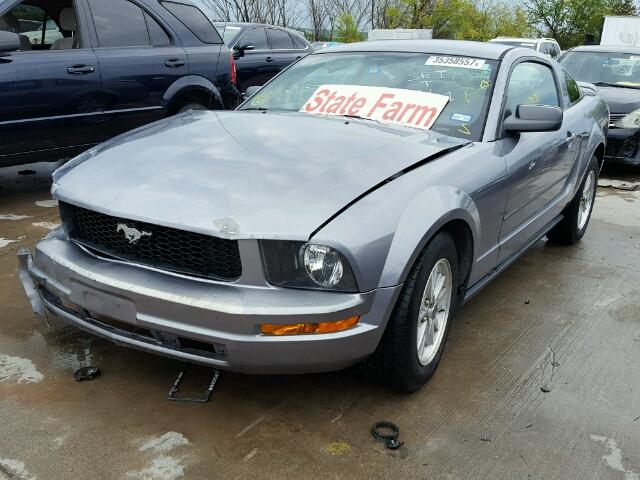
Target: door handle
<point>269,59</point>
<point>81,69</point>
<point>174,63</point>
<point>571,137</point>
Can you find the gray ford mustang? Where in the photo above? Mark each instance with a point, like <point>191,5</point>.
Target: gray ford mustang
<point>341,216</point>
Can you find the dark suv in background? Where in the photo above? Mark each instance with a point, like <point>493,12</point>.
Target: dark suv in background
<point>74,73</point>
<point>262,51</point>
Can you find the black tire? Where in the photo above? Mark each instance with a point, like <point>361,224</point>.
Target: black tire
<point>190,106</point>
<point>567,232</point>
<point>395,362</point>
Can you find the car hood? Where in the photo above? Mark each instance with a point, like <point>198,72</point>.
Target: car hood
<point>620,99</point>
<point>245,174</point>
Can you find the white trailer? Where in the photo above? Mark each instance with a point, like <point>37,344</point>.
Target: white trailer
<point>400,34</point>
<point>621,30</point>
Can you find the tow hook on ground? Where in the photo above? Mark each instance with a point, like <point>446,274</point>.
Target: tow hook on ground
<point>387,433</point>
<point>204,398</point>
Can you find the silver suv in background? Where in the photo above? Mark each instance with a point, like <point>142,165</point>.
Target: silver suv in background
<point>547,46</point>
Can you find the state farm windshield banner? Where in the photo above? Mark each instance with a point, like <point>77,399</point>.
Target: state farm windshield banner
<point>388,105</point>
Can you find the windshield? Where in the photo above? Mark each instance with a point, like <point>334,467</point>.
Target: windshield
<point>227,32</point>
<point>466,81</point>
<point>612,68</point>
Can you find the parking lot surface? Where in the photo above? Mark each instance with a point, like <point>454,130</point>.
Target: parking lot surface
<point>563,318</point>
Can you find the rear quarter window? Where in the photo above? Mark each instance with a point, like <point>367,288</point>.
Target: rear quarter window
<point>298,42</point>
<point>196,21</point>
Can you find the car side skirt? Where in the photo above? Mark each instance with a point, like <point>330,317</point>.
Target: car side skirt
<point>480,284</point>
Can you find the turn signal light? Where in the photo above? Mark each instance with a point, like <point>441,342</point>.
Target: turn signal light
<point>306,328</point>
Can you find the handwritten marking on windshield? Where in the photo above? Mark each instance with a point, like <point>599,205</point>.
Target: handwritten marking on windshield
<point>464,128</point>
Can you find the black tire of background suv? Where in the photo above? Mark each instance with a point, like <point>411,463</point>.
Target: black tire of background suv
<point>566,232</point>
<point>395,364</point>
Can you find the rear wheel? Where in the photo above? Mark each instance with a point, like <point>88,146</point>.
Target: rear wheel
<point>414,339</point>
<point>578,213</point>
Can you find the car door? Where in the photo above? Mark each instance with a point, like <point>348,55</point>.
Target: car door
<point>283,50</point>
<point>48,97</point>
<point>202,42</point>
<point>139,59</point>
<point>253,67</point>
<point>537,162</point>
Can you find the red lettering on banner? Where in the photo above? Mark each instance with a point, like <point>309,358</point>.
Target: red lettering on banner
<point>407,107</point>
<point>357,106</point>
<point>393,111</point>
<point>317,100</point>
<point>383,104</point>
<point>379,103</point>
<point>335,106</point>
<point>324,105</point>
<point>343,110</point>
<point>423,110</point>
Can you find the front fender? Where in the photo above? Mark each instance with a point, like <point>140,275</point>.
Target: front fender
<point>597,136</point>
<point>421,219</point>
<point>382,234</point>
<point>191,82</point>
<point>600,127</point>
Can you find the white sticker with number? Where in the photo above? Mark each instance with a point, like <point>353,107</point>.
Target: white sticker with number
<point>462,62</point>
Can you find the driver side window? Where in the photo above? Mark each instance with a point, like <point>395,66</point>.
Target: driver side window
<point>257,36</point>
<point>531,83</point>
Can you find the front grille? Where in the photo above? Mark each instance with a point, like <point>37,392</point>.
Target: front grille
<point>161,247</point>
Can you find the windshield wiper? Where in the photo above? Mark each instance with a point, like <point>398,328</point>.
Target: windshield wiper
<point>607,84</point>
<point>260,109</point>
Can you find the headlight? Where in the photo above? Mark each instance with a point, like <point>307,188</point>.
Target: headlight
<point>630,120</point>
<point>307,265</point>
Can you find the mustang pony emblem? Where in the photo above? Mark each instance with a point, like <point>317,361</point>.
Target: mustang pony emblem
<point>130,233</point>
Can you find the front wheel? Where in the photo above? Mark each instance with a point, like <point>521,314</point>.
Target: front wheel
<point>412,344</point>
<point>578,213</point>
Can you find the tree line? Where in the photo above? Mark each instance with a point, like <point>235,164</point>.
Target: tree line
<point>568,21</point>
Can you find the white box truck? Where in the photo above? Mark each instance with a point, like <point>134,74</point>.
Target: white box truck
<point>621,30</point>
<point>400,34</point>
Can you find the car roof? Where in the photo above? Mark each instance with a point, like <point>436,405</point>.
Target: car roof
<point>490,51</point>
<point>523,39</point>
<point>516,39</point>
<point>606,48</point>
<point>250,24</point>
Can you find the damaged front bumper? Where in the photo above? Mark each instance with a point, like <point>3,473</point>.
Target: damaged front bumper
<point>206,322</point>
<point>623,146</point>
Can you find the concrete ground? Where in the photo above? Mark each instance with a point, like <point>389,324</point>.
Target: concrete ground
<point>565,317</point>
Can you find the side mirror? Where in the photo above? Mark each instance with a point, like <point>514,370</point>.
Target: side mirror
<point>244,47</point>
<point>9,41</point>
<point>533,118</point>
<point>252,90</point>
